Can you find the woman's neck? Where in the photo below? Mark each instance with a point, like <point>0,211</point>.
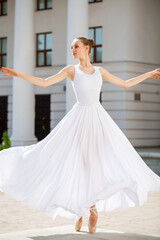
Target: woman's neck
<point>85,62</point>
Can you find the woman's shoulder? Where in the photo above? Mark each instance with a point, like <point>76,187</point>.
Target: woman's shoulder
<point>100,68</point>
<point>70,69</point>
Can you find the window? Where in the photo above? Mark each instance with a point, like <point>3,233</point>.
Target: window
<point>3,52</point>
<point>100,97</point>
<point>3,115</point>
<point>95,33</point>
<point>44,49</point>
<point>44,4</point>
<point>94,1</point>
<point>3,7</point>
<point>42,116</point>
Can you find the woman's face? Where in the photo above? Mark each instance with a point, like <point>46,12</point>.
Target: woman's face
<point>79,50</point>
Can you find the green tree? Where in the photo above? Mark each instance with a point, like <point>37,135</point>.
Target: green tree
<point>6,143</point>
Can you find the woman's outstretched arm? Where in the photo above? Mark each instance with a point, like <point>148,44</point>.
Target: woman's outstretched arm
<point>64,73</point>
<point>130,82</point>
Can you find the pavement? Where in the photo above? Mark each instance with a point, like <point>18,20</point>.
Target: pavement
<point>68,232</point>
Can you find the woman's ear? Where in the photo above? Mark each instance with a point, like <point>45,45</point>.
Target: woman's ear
<point>87,48</point>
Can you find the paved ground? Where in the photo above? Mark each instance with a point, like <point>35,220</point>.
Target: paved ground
<point>135,223</point>
<point>67,232</point>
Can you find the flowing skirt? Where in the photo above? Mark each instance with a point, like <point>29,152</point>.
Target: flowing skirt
<point>85,160</point>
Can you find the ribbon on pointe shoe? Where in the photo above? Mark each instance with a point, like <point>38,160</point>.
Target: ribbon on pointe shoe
<point>94,210</point>
<point>92,228</point>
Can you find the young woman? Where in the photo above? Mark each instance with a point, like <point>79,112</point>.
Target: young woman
<point>85,164</point>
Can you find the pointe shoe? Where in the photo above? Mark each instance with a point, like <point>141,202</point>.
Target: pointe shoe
<point>93,220</point>
<point>78,224</point>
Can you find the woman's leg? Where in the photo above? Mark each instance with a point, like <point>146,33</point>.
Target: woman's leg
<point>78,224</point>
<point>93,219</point>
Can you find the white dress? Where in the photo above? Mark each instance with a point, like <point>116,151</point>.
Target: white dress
<point>85,160</point>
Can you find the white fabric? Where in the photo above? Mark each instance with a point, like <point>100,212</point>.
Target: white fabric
<point>85,160</point>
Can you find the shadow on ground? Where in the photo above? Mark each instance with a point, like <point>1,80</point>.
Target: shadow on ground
<point>97,235</point>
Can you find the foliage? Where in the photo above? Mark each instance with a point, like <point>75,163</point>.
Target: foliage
<point>6,143</point>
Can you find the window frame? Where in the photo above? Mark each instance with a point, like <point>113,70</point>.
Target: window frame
<point>45,50</point>
<point>4,118</point>
<point>46,98</point>
<point>45,6</point>
<point>2,54</point>
<point>1,12</point>
<point>95,46</point>
<point>94,1</point>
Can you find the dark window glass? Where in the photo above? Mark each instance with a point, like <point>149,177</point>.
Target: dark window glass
<point>41,38</point>
<point>3,115</point>
<point>49,58</point>
<point>49,4</point>
<point>94,1</point>
<point>98,36</point>
<point>44,49</point>
<point>40,58</point>
<point>98,54</point>
<point>48,41</point>
<point>95,33</point>
<point>3,7</point>
<point>41,4</point>
<point>42,116</point>
<point>4,45</point>
<point>44,4</point>
<point>3,52</point>
<point>4,61</point>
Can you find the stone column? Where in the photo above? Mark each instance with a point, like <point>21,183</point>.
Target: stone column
<point>23,91</point>
<point>77,27</point>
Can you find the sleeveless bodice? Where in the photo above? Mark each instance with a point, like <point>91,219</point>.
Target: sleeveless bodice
<point>86,86</point>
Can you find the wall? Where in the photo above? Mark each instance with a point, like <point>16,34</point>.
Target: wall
<point>130,48</point>
<point>131,36</point>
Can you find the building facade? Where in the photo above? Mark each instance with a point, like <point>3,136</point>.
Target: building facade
<point>35,38</point>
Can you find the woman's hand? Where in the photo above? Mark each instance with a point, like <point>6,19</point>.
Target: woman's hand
<point>154,73</point>
<point>9,71</point>
<point>61,75</point>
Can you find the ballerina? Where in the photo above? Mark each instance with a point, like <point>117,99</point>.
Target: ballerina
<point>89,151</point>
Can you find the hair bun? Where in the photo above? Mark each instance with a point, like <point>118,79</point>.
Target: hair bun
<point>91,42</point>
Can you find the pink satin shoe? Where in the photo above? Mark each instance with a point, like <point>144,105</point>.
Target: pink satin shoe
<point>93,220</point>
<point>78,224</point>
